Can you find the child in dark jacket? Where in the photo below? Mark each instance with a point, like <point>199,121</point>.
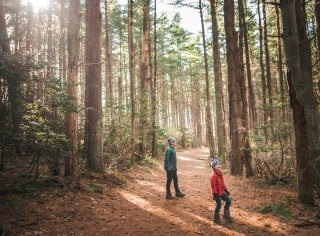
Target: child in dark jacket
<point>170,165</point>
<point>219,191</point>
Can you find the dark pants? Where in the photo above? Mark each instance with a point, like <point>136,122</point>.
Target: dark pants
<point>172,176</point>
<point>218,199</point>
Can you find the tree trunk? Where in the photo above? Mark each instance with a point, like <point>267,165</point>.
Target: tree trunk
<point>72,88</point>
<point>14,85</point>
<point>235,106</point>
<point>306,118</point>
<point>268,69</point>
<point>109,66</point>
<point>93,86</point>
<point>251,93</point>
<point>305,182</point>
<point>220,121</point>
<point>154,86</point>
<point>62,42</point>
<point>317,15</point>
<point>49,52</point>
<point>280,66</point>
<point>132,78</point>
<point>244,129</point>
<point>209,127</point>
<point>29,52</point>
<point>17,28</point>
<point>196,112</point>
<point>144,79</point>
<point>263,76</point>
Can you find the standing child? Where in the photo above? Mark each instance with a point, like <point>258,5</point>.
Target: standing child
<point>170,165</point>
<point>219,191</point>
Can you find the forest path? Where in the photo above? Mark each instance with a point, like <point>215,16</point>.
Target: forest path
<point>139,207</point>
<point>152,214</point>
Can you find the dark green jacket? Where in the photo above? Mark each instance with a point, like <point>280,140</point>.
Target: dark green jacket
<point>170,160</point>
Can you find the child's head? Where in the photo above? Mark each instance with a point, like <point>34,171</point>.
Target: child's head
<point>215,163</point>
<point>171,141</point>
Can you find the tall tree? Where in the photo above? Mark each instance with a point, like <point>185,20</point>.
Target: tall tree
<point>209,124</point>
<point>317,15</point>
<point>93,98</point>
<point>251,89</point>
<point>268,69</point>
<point>220,121</point>
<point>132,77</point>
<point>14,84</point>
<point>144,78</point>
<point>153,85</point>
<point>72,87</point>
<point>262,68</point>
<point>62,41</point>
<point>244,128</point>
<point>280,65</point>
<point>237,106</point>
<point>109,65</point>
<point>302,98</point>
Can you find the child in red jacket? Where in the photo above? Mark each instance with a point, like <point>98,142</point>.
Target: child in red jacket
<point>219,192</point>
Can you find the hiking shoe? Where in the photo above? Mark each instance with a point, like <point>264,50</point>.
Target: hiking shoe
<point>169,196</point>
<point>180,194</point>
<point>216,219</point>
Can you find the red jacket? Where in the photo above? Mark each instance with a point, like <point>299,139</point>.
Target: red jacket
<point>217,184</point>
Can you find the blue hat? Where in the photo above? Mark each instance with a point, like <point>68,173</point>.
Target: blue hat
<point>214,161</point>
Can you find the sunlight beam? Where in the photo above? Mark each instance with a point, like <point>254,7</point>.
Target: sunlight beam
<point>37,4</point>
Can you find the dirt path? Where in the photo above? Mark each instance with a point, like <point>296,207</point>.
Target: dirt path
<point>140,207</point>
<point>192,215</point>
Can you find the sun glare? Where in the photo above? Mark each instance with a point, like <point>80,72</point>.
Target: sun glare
<point>38,4</point>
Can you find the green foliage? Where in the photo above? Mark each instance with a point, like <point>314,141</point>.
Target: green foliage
<point>185,138</point>
<point>43,125</point>
<point>276,208</point>
<point>115,177</point>
<point>96,188</point>
<point>117,140</point>
<point>149,161</point>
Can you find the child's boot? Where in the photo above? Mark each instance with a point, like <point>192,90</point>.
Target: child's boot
<point>227,216</point>
<point>216,219</point>
<point>169,196</point>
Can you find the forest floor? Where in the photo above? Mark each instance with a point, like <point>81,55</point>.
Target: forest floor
<point>138,207</point>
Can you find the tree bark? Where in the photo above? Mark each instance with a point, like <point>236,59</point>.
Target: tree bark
<point>132,78</point>
<point>209,124</point>
<point>251,90</point>
<point>244,129</point>
<point>298,54</point>
<point>268,69</point>
<point>93,87</point>
<point>283,86</point>
<point>154,86</point>
<point>144,78</point>
<point>235,106</point>
<point>109,65</point>
<point>317,15</point>
<point>14,85</point>
<point>263,75</point>
<point>62,42</point>
<point>72,87</point>
<point>220,116</point>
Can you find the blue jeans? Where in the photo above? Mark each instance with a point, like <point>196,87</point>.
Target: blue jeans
<point>218,199</point>
<point>172,176</point>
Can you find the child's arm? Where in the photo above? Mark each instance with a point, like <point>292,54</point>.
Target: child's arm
<point>213,182</point>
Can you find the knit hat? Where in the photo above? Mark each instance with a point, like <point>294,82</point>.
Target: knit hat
<point>170,140</point>
<point>213,162</point>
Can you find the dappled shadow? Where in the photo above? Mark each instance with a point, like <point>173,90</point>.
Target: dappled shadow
<point>140,207</point>
<point>191,215</point>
